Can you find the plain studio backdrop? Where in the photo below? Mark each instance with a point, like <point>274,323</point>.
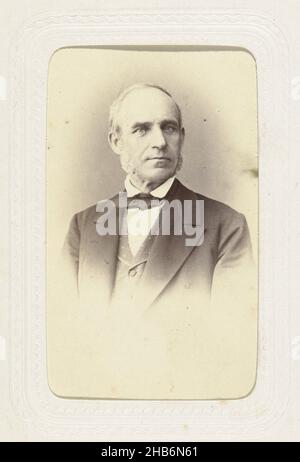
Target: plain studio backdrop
<point>216,90</point>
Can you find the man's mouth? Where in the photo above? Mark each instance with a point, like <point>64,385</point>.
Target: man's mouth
<point>159,158</point>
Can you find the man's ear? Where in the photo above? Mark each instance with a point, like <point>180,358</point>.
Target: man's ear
<point>182,130</point>
<point>115,142</point>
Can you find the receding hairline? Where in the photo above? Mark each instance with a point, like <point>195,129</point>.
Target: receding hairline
<point>118,102</point>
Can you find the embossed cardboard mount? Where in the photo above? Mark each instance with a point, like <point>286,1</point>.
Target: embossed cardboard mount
<point>102,419</point>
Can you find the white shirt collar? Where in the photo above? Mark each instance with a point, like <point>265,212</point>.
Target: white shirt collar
<point>158,192</point>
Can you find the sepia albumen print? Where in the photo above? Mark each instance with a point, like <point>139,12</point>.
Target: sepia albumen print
<point>152,224</point>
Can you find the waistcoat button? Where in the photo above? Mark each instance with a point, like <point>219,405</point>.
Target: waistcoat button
<point>132,273</point>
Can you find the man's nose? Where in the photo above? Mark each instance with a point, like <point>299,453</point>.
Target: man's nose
<point>158,138</point>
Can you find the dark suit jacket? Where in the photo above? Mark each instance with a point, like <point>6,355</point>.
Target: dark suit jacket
<point>195,308</point>
<point>173,266</point>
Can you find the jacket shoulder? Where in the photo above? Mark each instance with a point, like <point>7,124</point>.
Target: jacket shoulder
<point>91,213</point>
<point>219,209</point>
<point>213,209</point>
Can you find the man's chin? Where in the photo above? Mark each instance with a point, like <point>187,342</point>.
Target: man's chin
<point>154,177</point>
<point>160,174</point>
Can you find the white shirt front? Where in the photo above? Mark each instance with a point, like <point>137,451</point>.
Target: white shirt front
<point>140,221</point>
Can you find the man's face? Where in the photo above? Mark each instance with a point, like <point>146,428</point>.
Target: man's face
<point>150,139</point>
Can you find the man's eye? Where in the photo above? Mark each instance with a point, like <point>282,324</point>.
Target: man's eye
<point>140,131</point>
<point>170,129</point>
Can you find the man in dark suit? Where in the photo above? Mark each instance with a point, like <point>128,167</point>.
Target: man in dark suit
<point>190,308</point>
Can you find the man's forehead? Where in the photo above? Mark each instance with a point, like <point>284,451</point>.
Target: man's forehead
<point>145,105</point>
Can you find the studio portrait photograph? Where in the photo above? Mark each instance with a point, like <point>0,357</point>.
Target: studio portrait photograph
<point>152,223</point>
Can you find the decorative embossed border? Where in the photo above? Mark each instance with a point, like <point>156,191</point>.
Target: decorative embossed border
<point>57,418</point>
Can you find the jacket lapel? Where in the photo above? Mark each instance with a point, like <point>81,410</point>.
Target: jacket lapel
<point>167,255</point>
<point>169,252</point>
<point>101,257</point>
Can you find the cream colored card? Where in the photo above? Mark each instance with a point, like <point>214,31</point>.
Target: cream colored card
<point>173,343</point>
<point>66,374</point>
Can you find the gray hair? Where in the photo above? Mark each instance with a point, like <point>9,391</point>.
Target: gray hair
<point>116,105</point>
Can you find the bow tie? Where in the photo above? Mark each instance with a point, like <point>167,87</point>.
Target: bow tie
<point>143,201</point>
